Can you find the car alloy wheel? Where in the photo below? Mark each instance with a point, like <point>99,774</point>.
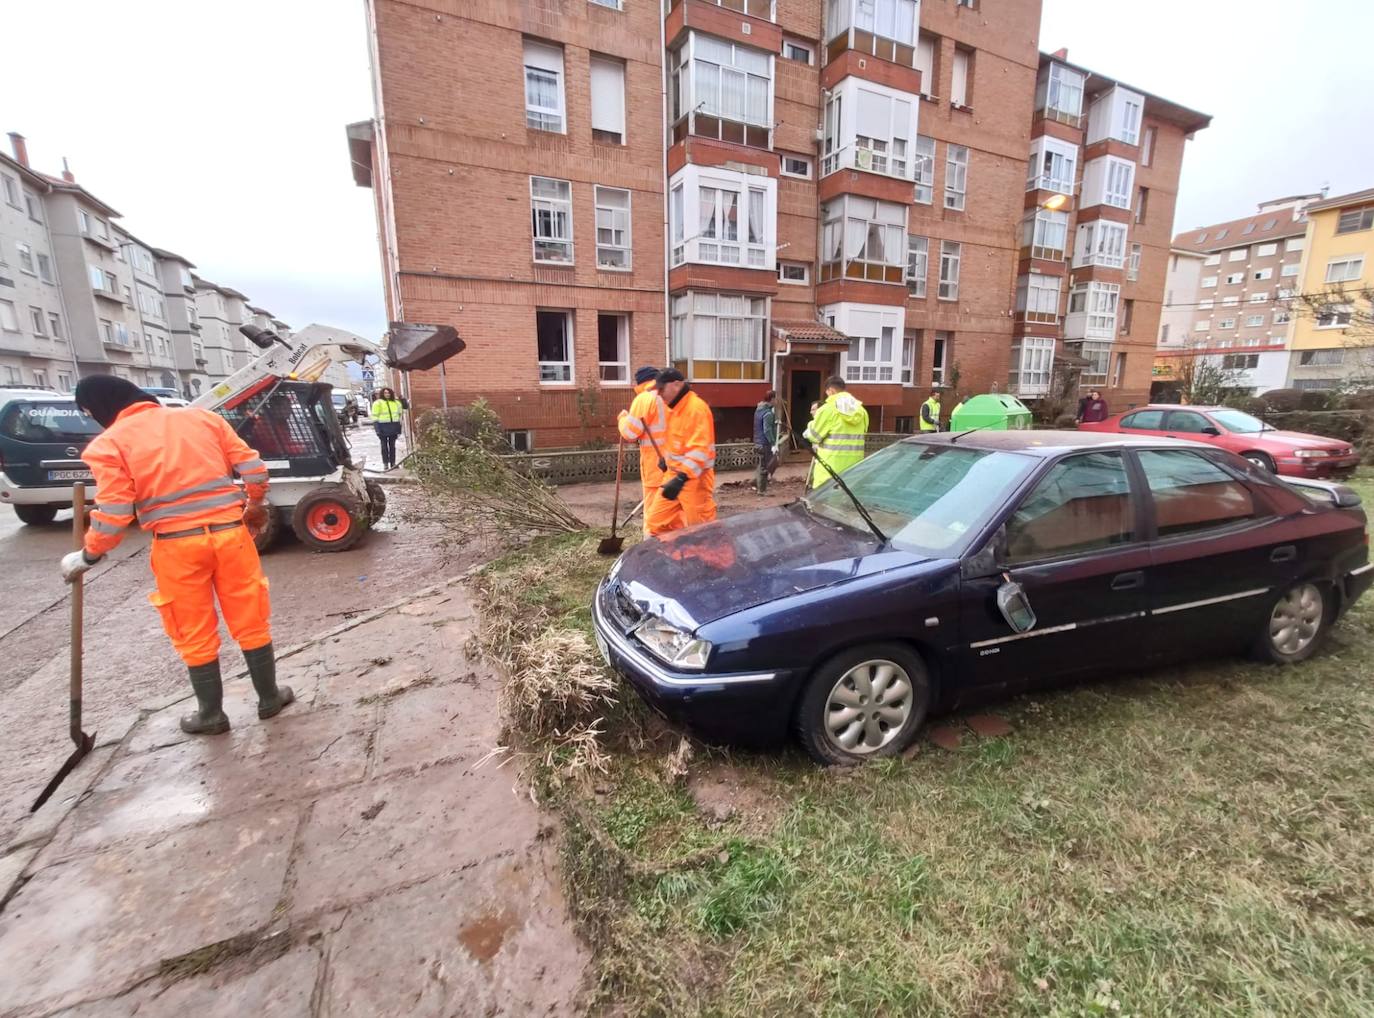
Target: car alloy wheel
<point>1296,621</point>
<point>1260,460</point>
<point>868,706</point>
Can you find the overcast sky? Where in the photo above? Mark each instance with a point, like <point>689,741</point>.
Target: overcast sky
<point>218,131</point>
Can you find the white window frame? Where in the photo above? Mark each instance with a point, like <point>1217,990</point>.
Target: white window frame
<point>885,19</point>
<point>1045,234</point>
<point>699,69</point>
<point>26,263</point>
<point>1254,321</point>
<point>951,255</point>
<point>551,207</point>
<point>1100,242</point>
<point>805,270</point>
<point>1238,254</point>
<point>1295,244</point>
<point>1147,146</point>
<point>960,84</point>
<point>1226,323</point>
<point>1235,278</point>
<point>1259,297</point>
<point>923,168</point>
<point>544,59</point>
<point>1205,305</point>
<point>55,325</point>
<point>957,159</point>
<point>908,372</point>
<point>1335,316</point>
<point>888,148</point>
<point>1053,165</point>
<point>863,232</point>
<point>805,161</point>
<point>1037,298</point>
<point>608,98</point>
<point>1208,281</point>
<point>1093,311</point>
<point>1062,97</point>
<point>1355,220</point>
<point>1266,250</point>
<point>1282,316</point>
<point>11,188</point>
<point>1116,113</point>
<point>1108,180</point>
<point>36,320</point>
<point>1344,269</point>
<point>1230,302</point>
<point>942,344</point>
<point>1032,365</point>
<point>618,370</point>
<point>559,372</point>
<point>1259,275</point>
<point>613,222</point>
<point>788,48</point>
<point>917,265</point>
<point>707,327</point>
<point>1133,266</point>
<point>874,354</point>
<point>724,240</point>
<point>1291,269</point>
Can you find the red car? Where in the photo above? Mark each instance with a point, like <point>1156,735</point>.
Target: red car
<point>1279,452</point>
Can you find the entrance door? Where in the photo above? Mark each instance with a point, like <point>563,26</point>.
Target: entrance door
<point>806,389</point>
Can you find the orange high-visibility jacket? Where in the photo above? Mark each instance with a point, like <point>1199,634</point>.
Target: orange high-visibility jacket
<point>691,448</point>
<point>173,468</point>
<point>648,415</point>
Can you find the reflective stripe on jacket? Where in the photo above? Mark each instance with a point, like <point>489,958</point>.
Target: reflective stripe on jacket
<point>386,411</point>
<point>171,468</point>
<point>836,435</point>
<point>648,415</point>
<point>691,447</point>
<point>930,415</point>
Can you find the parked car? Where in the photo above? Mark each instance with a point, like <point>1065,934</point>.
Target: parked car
<point>1292,453</point>
<point>968,567</point>
<point>345,406</point>
<point>42,435</point>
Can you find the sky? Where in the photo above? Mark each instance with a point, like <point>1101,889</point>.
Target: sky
<point>218,131</point>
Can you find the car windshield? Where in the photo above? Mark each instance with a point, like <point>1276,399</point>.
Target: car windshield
<point>926,498</point>
<point>1239,423</point>
<point>47,421</point>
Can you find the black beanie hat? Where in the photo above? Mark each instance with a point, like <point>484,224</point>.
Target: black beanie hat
<point>645,373</point>
<point>669,375</point>
<point>104,396</point>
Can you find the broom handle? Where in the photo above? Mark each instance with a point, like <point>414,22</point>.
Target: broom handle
<point>619,464</point>
<point>79,541</point>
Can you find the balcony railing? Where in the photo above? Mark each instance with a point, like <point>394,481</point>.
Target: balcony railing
<point>874,157</point>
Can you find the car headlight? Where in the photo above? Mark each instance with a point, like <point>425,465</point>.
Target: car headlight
<point>672,645</point>
<point>1311,454</point>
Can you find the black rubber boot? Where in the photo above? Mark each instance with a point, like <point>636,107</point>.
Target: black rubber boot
<point>262,668</point>
<point>209,718</point>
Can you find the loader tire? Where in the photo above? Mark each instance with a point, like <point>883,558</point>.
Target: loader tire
<point>265,538</point>
<point>330,518</point>
<point>376,500</point>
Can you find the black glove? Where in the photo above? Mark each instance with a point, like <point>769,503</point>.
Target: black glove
<point>673,488</point>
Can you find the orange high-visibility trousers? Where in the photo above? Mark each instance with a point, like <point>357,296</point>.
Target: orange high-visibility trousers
<point>695,504</point>
<point>191,572</point>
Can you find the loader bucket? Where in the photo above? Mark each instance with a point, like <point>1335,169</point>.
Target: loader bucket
<point>413,347</point>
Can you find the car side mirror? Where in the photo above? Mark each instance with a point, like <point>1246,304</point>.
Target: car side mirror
<point>1015,607</point>
<point>1209,430</point>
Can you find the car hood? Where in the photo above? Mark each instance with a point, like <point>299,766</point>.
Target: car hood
<point>694,576</point>
<point>1301,440</point>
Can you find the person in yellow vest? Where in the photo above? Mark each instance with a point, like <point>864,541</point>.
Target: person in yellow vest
<point>646,422</point>
<point>930,413</point>
<point>386,419</point>
<point>836,432</point>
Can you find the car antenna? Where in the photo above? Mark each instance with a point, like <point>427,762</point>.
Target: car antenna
<point>981,427</point>
<point>852,497</point>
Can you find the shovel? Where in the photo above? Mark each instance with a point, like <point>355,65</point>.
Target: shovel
<point>612,545</point>
<point>84,742</point>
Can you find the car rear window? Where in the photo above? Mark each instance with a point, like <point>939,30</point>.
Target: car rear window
<point>46,421</point>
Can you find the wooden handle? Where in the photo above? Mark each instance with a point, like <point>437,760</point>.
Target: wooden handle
<point>79,542</point>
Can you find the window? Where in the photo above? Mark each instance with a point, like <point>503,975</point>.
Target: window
<point>885,28</point>
<point>927,49</point>
<point>33,207</point>
<point>1092,311</point>
<point>1321,358</point>
<point>718,336</point>
<point>1262,274</point>
<point>11,190</point>
<point>722,90</point>
<point>1133,269</point>
<point>1032,361</point>
<point>523,441</point>
<point>1238,254</point>
<point>1230,302</point>
<point>543,86</point>
<point>613,347</point>
<point>1108,181</point>
<point>613,5</point>
<point>106,331</point>
<point>1128,124</point>
<point>1338,270</point>
<point>1127,314</point>
<point>1234,278</point>
<point>1226,323</point>
<point>939,367</point>
<point>1147,147</point>
<point>1282,316</point>
<point>1063,98</point>
<point>909,341</point>
<point>1144,420</point>
<point>1214,259</point>
<point>551,208</point>
<point>795,273</point>
<point>1119,372</point>
<point>1266,250</point>
<point>1082,505</point>
<point>612,228</point>
<point>950,254</point>
<point>44,267</point>
<point>1295,244</point>
<point>1191,493</point>
<point>1037,298</point>
<point>917,265</point>
<point>608,100</point>
<point>12,376</point>
<point>1052,164</point>
<point>868,127</point>
<point>36,320</point>
<point>925,169</point>
<point>554,337</point>
<point>121,334</point>
<point>870,358</point>
<point>1202,326</point>
<point>1254,321</point>
<point>796,166</point>
<point>1260,297</point>
<point>1142,203</point>
<point>1334,316</point>
<point>55,325</point>
<point>1045,233</point>
<point>1291,269</point>
<point>64,382</point>
<point>961,87</point>
<point>721,237</point>
<point>1221,234</point>
<point>1354,220</point>
<point>26,263</point>
<point>796,51</point>
<point>1209,281</point>
<point>1164,333</point>
<point>956,176</point>
<point>862,238</point>
<point>1101,243</point>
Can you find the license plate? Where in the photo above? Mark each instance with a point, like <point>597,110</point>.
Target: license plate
<point>70,475</point>
<point>602,646</point>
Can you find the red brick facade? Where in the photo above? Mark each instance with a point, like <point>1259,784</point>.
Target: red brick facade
<point>452,159</point>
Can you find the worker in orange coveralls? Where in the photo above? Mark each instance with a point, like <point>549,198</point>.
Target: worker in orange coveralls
<point>688,495</point>
<point>646,422</point>
<point>172,469</point>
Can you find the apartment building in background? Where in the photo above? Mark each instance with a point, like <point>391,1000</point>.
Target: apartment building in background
<point>1234,307</point>
<point>80,294</point>
<point>1333,336</point>
<point>850,196</point>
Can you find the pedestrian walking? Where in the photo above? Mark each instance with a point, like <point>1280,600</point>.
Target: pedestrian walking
<point>1092,408</point>
<point>836,432</point>
<point>930,412</point>
<point>386,419</point>
<point>688,493</point>
<point>646,422</point>
<point>173,470</point>
<point>766,440</point>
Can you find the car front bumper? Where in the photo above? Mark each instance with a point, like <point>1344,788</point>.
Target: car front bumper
<point>59,494</point>
<point>740,708</point>
<point>1334,466</point>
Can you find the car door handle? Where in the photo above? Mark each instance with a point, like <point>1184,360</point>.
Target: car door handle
<point>1128,581</point>
<point>1285,553</point>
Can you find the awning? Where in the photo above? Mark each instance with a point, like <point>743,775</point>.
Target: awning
<point>810,334</point>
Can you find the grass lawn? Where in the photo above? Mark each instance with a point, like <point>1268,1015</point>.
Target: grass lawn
<point>1196,841</point>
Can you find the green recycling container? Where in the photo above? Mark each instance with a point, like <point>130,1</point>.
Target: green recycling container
<point>994,411</point>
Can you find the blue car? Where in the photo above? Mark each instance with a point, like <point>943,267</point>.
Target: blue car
<point>958,568</point>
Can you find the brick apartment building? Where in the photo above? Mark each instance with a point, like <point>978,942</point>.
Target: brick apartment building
<point>848,195</point>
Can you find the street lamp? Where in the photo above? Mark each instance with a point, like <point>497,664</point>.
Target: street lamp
<point>1055,202</point>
